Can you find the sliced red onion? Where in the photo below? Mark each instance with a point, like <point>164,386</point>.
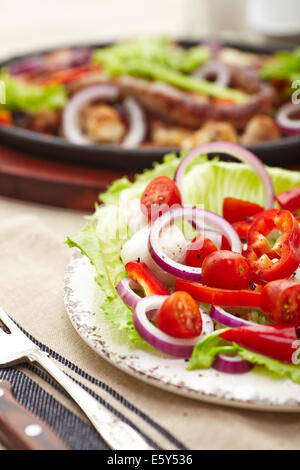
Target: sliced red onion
<point>214,45</point>
<point>70,118</point>
<point>231,364</point>
<point>227,319</point>
<point>284,119</point>
<point>232,150</point>
<point>125,290</point>
<point>216,71</point>
<point>177,347</point>
<point>198,218</point>
<point>137,123</point>
<point>41,63</point>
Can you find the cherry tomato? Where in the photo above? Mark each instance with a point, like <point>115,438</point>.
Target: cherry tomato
<point>235,210</point>
<point>289,200</point>
<point>160,194</point>
<point>198,249</point>
<point>227,270</point>
<point>280,300</point>
<point>180,316</point>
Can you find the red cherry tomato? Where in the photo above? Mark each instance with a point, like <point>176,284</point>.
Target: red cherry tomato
<point>235,210</point>
<point>160,194</point>
<point>227,270</point>
<point>198,249</point>
<point>280,300</point>
<point>179,316</point>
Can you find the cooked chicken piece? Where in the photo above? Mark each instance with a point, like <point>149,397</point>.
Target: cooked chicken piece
<point>212,131</point>
<point>260,129</point>
<point>168,136</point>
<point>235,57</point>
<point>102,123</point>
<point>45,121</point>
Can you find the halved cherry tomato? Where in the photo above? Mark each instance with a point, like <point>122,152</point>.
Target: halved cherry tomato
<point>217,296</point>
<point>242,227</point>
<point>275,341</point>
<point>286,248</point>
<point>227,270</point>
<point>289,200</point>
<point>160,194</point>
<point>235,210</point>
<point>180,316</point>
<point>198,249</point>
<point>139,272</point>
<point>280,300</point>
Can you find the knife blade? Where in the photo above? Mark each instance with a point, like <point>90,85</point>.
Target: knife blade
<point>20,429</point>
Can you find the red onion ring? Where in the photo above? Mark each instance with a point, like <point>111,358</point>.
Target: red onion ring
<point>41,63</point>
<point>227,319</point>
<point>137,123</point>
<point>283,119</point>
<point>177,347</point>
<point>232,150</point>
<point>197,217</point>
<point>216,70</point>
<point>70,117</point>
<point>231,364</point>
<point>124,289</point>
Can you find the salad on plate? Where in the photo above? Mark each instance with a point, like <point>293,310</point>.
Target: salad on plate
<point>199,258</point>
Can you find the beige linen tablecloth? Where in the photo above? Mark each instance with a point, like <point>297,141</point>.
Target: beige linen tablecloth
<point>33,261</point>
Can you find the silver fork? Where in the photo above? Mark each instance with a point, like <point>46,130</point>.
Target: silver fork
<point>15,348</point>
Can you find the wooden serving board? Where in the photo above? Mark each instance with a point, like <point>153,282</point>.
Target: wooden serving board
<point>32,178</point>
<point>37,179</point>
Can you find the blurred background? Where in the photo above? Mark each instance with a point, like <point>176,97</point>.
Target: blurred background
<point>28,25</point>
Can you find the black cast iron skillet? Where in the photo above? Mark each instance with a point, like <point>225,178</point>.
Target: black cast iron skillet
<point>285,151</point>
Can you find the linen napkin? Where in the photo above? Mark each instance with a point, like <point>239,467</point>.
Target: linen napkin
<point>33,262</point>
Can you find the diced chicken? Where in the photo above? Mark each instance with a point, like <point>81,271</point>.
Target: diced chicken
<point>45,121</point>
<point>260,129</point>
<point>102,123</point>
<point>172,241</point>
<point>238,58</point>
<point>168,136</point>
<point>212,131</point>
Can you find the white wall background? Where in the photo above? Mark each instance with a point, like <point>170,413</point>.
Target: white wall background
<point>27,25</point>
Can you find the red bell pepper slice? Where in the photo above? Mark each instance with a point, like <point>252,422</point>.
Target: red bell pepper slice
<point>235,210</point>
<point>289,200</point>
<point>144,277</point>
<point>217,296</point>
<point>275,341</point>
<point>69,75</point>
<point>286,248</point>
<point>5,117</point>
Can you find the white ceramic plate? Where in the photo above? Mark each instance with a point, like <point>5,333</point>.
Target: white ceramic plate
<point>251,390</point>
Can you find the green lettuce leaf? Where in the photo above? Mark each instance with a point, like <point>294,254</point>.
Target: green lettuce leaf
<point>206,351</point>
<point>31,98</point>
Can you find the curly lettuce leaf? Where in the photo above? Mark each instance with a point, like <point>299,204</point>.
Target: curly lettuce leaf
<point>205,353</point>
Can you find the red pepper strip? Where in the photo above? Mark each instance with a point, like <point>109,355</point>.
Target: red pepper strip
<point>235,210</point>
<point>289,200</point>
<point>5,118</point>
<point>217,296</point>
<point>286,248</point>
<point>275,341</point>
<point>242,228</point>
<point>143,276</point>
<point>67,75</point>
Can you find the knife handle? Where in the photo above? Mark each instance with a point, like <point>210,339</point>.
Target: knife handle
<point>20,429</point>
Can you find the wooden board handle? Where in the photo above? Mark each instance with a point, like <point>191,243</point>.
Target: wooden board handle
<point>22,430</point>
